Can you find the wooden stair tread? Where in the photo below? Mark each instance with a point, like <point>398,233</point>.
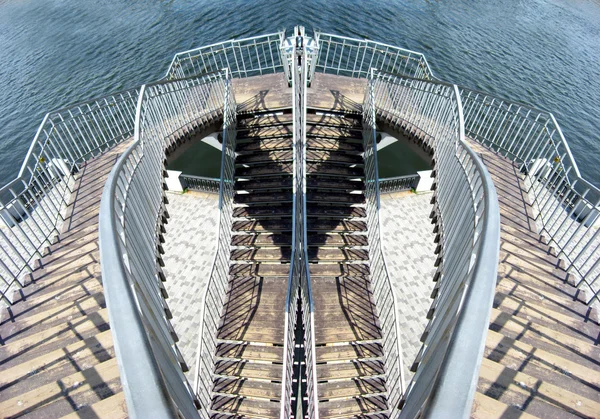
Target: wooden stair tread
<point>485,407</point>
<point>546,338</point>
<point>21,350</point>
<point>113,407</point>
<point>349,370</point>
<point>241,368</point>
<point>348,352</point>
<point>248,388</point>
<point>243,407</point>
<point>351,388</point>
<point>52,365</point>
<point>52,316</point>
<point>533,395</point>
<point>82,388</point>
<point>250,352</point>
<point>352,407</point>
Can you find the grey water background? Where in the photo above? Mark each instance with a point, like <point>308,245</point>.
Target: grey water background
<point>542,52</point>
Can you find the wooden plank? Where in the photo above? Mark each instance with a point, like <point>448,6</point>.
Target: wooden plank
<point>536,397</point>
<point>348,352</point>
<point>250,352</point>
<point>353,407</point>
<point>347,370</point>
<point>351,388</point>
<point>114,407</point>
<point>243,407</point>
<point>238,368</point>
<point>485,407</point>
<point>81,387</point>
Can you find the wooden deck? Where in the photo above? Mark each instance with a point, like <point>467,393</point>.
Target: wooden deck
<point>57,356</point>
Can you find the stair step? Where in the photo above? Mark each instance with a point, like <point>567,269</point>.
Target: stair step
<point>485,407</point>
<point>261,157</point>
<point>238,368</point>
<point>267,169</point>
<point>248,388</point>
<point>41,300</point>
<point>337,270</point>
<point>283,143</point>
<point>264,198</point>
<point>249,351</point>
<point>243,407</point>
<point>340,157</point>
<point>265,121</point>
<point>262,255</point>
<point>540,363</point>
<point>29,347</point>
<point>335,239</point>
<point>262,239</point>
<point>58,315</point>
<point>563,304</point>
<point>532,395</point>
<point>276,182</point>
<point>342,184</point>
<point>554,341</point>
<point>334,198</point>
<point>349,370</point>
<point>341,226</point>
<point>261,269</point>
<point>333,120</point>
<point>59,398</point>
<point>53,365</point>
<point>319,143</point>
<point>262,225</point>
<point>332,169</point>
<point>327,254</point>
<point>351,388</point>
<point>113,407</point>
<point>357,407</point>
<point>348,351</point>
<point>265,131</point>
<point>257,211</point>
<point>333,131</point>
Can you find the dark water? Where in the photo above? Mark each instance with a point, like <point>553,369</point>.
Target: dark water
<point>542,52</point>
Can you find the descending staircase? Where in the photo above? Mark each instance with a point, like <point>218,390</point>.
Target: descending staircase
<point>350,372</point>
<point>541,357</point>
<point>57,356</point>
<point>251,336</point>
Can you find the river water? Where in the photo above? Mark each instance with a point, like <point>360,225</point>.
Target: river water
<point>542,52</point>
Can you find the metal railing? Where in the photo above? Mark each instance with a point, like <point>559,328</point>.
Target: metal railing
<point>398,183</point>
<point>468,223</point>
<point>299,279</point>
<point>255,56</point>
<point>132,214</point>
<point>384,294</point>
<point>356,57</point>
<point>567,206</point>
<point>32,205</point>
<point>200,183</point>
<point>215,294</point>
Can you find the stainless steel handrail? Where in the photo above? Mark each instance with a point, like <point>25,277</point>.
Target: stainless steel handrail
<point>352,57</point>
<point>215,293</point>
<point>468,220</point>
<point>32,205</point>
<point>299,278</point>
<point>567,205</point>
<point>254,56</point>
<point>132,213</point>
<point>384,294</point>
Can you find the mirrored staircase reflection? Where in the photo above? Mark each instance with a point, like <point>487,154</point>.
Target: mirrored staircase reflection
<point>350,371</point>
<point>248,370</point>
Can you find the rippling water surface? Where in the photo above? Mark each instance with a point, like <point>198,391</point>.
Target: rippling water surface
<point>542,52</point>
